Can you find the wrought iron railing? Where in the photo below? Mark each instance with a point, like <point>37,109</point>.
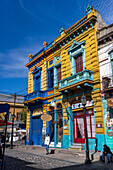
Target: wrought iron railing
<point>35,94</point>
<point>85,74</point>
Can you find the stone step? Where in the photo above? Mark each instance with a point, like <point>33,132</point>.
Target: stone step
<point>59,144</point>
<point>51,144</point>
<point>77,145</point>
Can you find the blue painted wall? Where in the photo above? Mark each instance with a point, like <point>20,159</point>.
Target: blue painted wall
<point>55,128</point>
<point>48,126</point>
<point>71,139</point>
<point>108,139</point>
<point>65,142</point>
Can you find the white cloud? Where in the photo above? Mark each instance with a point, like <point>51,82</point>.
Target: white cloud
<point>13,62</point>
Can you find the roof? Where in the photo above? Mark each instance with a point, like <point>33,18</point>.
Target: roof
<point>10,98</point>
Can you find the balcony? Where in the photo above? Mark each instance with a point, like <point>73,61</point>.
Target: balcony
<point>36,94</point>
<point>78,77</point>
<point>107,82</point>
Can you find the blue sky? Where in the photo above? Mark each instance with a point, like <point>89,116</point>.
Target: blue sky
<point>26,24</point>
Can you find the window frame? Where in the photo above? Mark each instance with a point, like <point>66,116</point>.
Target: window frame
<point>49,78</point>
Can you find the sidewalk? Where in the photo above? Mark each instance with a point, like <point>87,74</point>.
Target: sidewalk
<point>31,157</point>
<point>59,151</point>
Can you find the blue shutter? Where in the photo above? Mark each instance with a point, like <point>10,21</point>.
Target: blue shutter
<point>49,82</point>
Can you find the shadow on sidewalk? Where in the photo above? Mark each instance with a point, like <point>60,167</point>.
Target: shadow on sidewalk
<point>97,165</point>
<point>18,164</point>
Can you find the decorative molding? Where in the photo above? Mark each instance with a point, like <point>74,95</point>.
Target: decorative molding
<point>91,24</point>
<point>88,9</point>
<point>58,58</point>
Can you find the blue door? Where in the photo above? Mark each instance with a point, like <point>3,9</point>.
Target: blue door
<point>37,131</point>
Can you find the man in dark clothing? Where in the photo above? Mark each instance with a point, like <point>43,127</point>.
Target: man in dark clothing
<point>106,152</point>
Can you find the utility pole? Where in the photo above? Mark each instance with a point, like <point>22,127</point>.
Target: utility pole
<point>13,116</point>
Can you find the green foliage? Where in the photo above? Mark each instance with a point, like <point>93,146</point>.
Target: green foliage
<point>22,114</point>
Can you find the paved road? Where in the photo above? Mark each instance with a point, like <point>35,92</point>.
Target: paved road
<point>25,158</point>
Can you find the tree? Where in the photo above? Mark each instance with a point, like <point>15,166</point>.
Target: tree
<point>22,114</point>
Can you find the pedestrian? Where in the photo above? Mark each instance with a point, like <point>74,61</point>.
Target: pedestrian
<point>47,142</point>
<point>106,154</point>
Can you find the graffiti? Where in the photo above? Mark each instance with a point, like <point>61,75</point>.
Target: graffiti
<point>109,124</point>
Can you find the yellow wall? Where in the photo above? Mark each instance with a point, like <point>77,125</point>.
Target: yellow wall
<point>91,59</point>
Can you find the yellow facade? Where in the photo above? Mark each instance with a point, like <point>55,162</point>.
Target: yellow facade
<point>82,34</point>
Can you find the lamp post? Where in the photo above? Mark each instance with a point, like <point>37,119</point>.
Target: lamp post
<point>84,101</point>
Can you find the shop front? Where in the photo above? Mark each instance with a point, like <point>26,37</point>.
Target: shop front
<point>108,117</point>
<point>79,124</point>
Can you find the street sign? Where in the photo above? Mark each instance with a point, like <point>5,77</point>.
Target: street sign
<point>46,117</point>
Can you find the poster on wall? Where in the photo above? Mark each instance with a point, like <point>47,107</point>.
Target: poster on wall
<point>109,117</point>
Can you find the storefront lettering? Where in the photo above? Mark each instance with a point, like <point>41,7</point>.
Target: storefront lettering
<point>37,112</point>
<point>79,105</point>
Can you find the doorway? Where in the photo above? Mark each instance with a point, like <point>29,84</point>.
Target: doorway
<point>37,130</point>
<point>79,125</point>
<point>60,126</point>
<point>79,135</point>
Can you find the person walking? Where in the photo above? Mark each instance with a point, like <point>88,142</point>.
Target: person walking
<point>47,142</point>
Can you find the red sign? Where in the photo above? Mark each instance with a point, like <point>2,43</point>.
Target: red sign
<point>98,125</point>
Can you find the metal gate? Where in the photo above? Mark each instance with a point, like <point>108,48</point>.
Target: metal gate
<point>37,131</point>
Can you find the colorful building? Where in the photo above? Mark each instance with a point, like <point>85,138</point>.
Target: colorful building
<point>105,53</point>
<point>60,74</point>
<point>9,99</point>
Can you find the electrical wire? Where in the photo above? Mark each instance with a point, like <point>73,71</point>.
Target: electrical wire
<point>94,69</point>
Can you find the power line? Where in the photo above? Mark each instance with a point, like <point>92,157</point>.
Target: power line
<point>55,76</point>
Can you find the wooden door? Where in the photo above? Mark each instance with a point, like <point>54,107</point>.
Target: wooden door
<point>60,127</point>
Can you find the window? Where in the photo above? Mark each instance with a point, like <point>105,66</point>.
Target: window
<point>50,78</point>
<point>79,63</point>
<point>77,57</point>
<point>58,74</point>
<point>37,78</point>
<point>37,84</point>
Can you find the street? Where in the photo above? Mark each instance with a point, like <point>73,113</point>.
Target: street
<point>27,158</point>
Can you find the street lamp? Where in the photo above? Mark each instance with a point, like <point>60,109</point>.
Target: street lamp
<point>84,101</point>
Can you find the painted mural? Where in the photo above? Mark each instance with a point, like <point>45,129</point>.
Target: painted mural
<point>109,117</point>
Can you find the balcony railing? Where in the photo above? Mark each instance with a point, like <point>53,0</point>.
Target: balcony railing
<point>35,94</point>
<point>83,75</point>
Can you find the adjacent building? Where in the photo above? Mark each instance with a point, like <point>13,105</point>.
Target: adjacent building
<point>105,52</point>
<point>19,106</point>
<point>59,75</point>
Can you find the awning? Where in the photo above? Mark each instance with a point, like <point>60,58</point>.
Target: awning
<point>2,123</point>
<point>4,108</point>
